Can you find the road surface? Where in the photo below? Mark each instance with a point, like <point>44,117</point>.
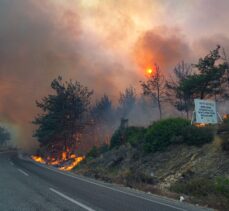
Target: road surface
<point>25,185</point>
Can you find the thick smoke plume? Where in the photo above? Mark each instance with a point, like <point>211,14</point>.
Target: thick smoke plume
<point>103,44</point>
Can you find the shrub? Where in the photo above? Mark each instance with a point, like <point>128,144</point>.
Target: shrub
<point>134,135</point>
<point>164,132</point>
<point>203,187</point>
<point>93,152</point>
<point>215,192</point>
<point>222,186</point>
<point>116,139</point>
<point>96,151</point>
<point>223,132</point>
<point>195,187</point>
<point>130,135</point>
<point>225,145</point>
<point>198,136</point>
<point>104,148</point>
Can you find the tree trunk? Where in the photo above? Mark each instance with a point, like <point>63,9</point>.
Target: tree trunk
<point>159,100</point>
<point>159,108</point>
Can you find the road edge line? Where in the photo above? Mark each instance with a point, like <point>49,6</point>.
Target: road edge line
<point>114,189</point>
<point>23,172</point>
<point>71,200</point>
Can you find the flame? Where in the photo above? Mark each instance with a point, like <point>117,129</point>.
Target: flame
<point>75,162</point>
<point>64,155</point>
<point>200,124</point>
<point>64,163</point>
<point>54,162</point>
<point>226,116</point>
<point>38,159</point>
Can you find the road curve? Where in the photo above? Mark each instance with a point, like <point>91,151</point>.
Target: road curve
<point>25,185</point>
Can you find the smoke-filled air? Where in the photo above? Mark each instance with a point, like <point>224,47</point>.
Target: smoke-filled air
<point>108,46</point>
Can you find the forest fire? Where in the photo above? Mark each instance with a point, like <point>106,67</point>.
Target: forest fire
<point>64,163</point>
<point>76,161</point>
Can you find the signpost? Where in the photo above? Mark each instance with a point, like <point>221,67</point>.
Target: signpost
<point>205,112</point>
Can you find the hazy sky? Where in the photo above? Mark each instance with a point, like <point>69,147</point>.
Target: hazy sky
<point>104,44</point>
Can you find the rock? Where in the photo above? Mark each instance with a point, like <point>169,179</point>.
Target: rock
<point>181,198</point>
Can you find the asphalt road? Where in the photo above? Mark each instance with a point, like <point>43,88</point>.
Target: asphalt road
<point>25,185</point>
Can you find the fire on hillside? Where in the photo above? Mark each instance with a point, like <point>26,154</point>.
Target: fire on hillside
<point>201,124</point>
<point>66,162</point>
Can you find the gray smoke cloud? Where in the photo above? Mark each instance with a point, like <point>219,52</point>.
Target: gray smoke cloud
<point>103,44</point>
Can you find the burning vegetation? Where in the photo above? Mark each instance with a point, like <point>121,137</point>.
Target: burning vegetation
<point>65,162</point>
<point>68,119</point>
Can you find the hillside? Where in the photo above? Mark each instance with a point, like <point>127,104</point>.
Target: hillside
<point>199,173</point>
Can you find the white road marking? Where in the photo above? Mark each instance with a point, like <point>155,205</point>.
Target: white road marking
<point>114,189</point>
<point>11,163</point>
<point>23,172</point>
<point>71,200</point>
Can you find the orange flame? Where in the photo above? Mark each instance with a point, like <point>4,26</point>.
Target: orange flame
<point>200,125</point>
<point>65,163</point>
<point>226,116</point>
<point>38,159</point>
<point>76,161</point>
<point>64,155</point>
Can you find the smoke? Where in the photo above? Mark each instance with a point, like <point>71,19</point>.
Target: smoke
<point>40,42</point>
<point>162,45</point>
<point>103,44</point>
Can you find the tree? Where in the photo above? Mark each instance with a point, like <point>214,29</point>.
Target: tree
<point>4,136</point>
<point>182,99</point>
<point>103,117</point>
<point>102,111</point>
<point>64,113</point>
<point>155,87</point>
<point>127,101</point>
<point>210,78</point>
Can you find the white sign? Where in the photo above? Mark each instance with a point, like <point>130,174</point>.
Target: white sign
<point>205,111</point>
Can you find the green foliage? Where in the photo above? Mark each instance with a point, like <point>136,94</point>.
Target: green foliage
<point>198,136</point>
<point>116,139</point>
<point>63,113</point>
<point>203,187</point>
<point>223,131</point>
<point>4,136</point>
<point>174,131</point>
<point>181,98</point>
<point>104,148</point>
<point>215,192</point>
<point>225,145</point>
<point>196,187</point>
<point>222,186</point>
<point>102,111</point>
<point>96,151</point>
<point>132,135</point>
<point>163,133</point>
<point>226,120</point>
<point>93,153</point>
<point>210,79</point>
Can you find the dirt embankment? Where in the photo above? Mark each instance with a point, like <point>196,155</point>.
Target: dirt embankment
<point>158,172</point>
